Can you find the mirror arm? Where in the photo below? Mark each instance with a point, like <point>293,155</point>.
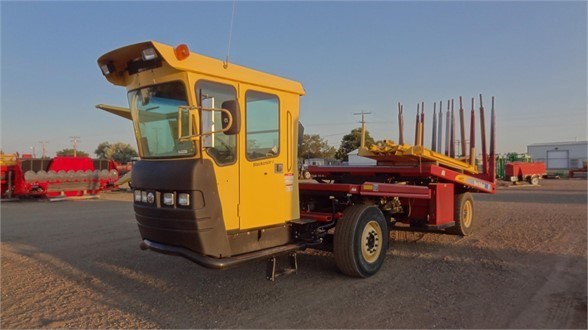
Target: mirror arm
<point>192,118</point>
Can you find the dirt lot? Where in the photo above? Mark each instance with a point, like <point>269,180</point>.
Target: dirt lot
<point>77,264</point>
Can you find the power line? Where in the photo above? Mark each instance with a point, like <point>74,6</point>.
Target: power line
<point>362,113</point>
<point>43,146</point>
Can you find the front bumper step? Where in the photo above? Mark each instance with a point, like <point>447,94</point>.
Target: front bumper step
<point>220,263</point>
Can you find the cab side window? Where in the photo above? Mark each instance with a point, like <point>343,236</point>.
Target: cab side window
<point>262,120</point>
<point>219,146</point>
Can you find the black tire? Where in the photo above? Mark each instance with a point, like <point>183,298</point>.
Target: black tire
<point>534,180</point>
<point>464,215</point>
<point>361,241</point>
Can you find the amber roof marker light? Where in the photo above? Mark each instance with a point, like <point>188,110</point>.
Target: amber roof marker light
<point>182,52</point>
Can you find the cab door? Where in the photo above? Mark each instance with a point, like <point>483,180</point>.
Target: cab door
<point>266,173</point>
<point>219,147</point>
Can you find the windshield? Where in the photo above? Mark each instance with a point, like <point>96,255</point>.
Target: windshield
<point>155,116</point>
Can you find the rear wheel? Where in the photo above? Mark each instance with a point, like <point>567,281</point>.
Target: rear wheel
<point>463,215</point>
<point>534,180</point>
<point>361,241</point>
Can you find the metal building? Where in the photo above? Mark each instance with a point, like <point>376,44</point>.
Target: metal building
<point>355,159</point>
<point>560,156</point>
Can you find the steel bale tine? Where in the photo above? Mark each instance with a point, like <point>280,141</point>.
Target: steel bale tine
<point>416,127</point>
<point>422,123</point>
<point>492,143</point>
<point>452,136</point>
<point>440,129</point>
<point>483,140</point>
<point>399,123</point>
<point>402,124</point>
<point>462,128</point>
<point>473,135</point>
<point>492,130</point>
<point>434,134</point>
<point>447,129</point>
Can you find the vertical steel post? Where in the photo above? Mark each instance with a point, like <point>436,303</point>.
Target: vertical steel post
<point>434,135</point>
<point>422,123</point>
<point>492,142</point>
<point>483,133</point>
<point>400,125</point>
<point>416,127</point>
<point>447,129</point>
<point>452,136</point>
<point>462,126</point>
<point>473,136</point>
<point>440,129</point>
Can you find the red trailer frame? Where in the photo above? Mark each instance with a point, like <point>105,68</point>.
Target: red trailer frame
<point>427,190</point>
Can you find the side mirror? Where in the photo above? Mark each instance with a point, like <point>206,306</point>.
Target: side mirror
<point>233,108</point>
<point>300,134</point>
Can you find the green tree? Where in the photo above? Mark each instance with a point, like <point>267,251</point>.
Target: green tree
<point>313,146</point>
<point>352,141</point>
<point>70,152</point>
<point>120,152</point>
<point>101,150</point>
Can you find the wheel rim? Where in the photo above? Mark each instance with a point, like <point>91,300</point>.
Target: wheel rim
<point>467,213</point>
<point>371,239</point>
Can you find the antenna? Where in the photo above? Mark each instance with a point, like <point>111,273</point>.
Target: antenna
<point>226,62</point>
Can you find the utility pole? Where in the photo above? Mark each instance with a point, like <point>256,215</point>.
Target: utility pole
<point>75,140</point>
<point>362,113</point>
<point>43,146</point>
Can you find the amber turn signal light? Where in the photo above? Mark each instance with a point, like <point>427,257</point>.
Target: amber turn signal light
<point>182,52</point>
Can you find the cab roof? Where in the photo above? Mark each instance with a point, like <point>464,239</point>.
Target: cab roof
<point>121,57</point>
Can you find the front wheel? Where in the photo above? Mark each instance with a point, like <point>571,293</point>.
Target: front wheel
<point>361,241</point>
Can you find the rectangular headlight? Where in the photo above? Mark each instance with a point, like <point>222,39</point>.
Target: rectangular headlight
<point>149,54</point>
<point>184,199</point>
<point>168,199</point>
<point>144,196</point>
<point>137,195</point>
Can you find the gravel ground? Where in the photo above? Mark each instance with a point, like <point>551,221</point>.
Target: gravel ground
<point>77,264</point>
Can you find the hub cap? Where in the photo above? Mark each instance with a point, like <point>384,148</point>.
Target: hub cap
<point>371,239</point>
<point>467,214</point>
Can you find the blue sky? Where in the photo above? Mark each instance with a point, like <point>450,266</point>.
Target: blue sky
<point>350,56</point>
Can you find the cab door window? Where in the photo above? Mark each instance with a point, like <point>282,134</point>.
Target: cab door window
<point>221,147</point>
<point>262,120</point>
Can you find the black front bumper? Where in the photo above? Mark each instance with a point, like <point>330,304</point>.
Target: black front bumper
<point>219,263</point>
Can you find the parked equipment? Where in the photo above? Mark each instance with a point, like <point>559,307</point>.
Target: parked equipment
<point>55,177</point>
<point>523,171</point>
<point>217,182</point>
<point>575,172</point>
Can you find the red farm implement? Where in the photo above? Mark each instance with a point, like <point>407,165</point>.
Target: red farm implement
<point>55,177</point>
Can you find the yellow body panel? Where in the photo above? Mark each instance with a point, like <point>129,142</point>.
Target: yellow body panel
<point>270,197</point>
<point>197,63</point>
<point>8,159</point>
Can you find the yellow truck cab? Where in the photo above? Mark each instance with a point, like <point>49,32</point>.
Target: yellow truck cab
<point>202,186</point>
